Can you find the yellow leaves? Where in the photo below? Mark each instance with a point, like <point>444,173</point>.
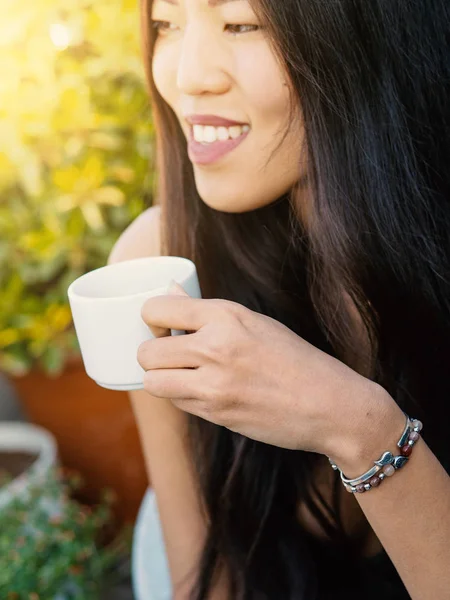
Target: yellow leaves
<point>74,110</point>
<point>129,5</point>
<point>93,216</point>
<point>39,243</point>
<point>40,328</point>
<point>18,163</point>
<point>86,191</point>
<point>104,140</point>
<point>108,195</point>
<point>8,337</point>
<point>75,134</point>
<point>59,318</point>
<point>7,171</point>
<point>122,173</point>
<point>93,22</point>
<point>31,175</point>
<point>79,179</point>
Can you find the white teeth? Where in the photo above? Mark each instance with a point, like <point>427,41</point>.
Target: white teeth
<point>222,134</point>
<point>235,131</point>
<point>198,133</point>
<point>207,134</point>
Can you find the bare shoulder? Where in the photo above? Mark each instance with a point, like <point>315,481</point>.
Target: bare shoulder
<point>141,238</point>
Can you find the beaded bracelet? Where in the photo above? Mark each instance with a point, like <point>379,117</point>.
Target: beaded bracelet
<point>387,464</point>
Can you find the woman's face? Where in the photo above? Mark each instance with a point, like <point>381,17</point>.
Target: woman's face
<point>214,66</point>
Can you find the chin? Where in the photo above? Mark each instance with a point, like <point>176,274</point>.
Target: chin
<point>219,198</point>
<point>228,204</point>
<point>234,194</point>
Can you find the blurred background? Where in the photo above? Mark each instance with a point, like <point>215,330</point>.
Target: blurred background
<point>75,149</point>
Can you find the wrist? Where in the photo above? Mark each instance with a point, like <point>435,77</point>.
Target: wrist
<point>373,427</point>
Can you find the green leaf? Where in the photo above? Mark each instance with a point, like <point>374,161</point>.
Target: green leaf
<point>53,360</point>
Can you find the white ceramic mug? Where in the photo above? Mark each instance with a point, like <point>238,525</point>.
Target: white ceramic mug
<point>106,307</point>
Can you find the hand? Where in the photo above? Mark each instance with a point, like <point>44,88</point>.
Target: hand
<point>249,373</point>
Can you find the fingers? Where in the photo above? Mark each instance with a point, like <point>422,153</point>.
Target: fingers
<point>175,289</point>
<point>178,312</point>
<point>174,384</point>
<point>171,352</point>
<point>159,332</point>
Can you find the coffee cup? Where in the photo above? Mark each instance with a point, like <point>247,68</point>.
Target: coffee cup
<point>106,307</point>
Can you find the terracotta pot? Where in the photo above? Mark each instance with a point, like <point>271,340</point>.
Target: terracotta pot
<point>95,430</point>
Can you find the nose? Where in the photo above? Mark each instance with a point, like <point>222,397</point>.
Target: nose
<point>202,64</point>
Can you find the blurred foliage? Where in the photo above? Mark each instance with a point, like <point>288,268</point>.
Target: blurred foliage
<point>75,143</point>
<point>53,547</point>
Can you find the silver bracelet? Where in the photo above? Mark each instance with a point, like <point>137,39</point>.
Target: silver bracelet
<point>387,463</point>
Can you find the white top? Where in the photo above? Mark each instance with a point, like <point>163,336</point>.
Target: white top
<point>150,570</point>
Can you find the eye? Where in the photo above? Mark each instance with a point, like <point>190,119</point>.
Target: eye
<point>238,29</point>
<point>163,27</point>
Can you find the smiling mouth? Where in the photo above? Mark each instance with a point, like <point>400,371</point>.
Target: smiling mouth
<point>208,144</point>
<point>208,134</point>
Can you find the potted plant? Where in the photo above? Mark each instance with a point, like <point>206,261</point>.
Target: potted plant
<point>52,547</point>
<point>75,133</point>
<point>27,454</point>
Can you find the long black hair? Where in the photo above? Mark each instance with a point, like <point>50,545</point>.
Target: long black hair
<point>372,79</point>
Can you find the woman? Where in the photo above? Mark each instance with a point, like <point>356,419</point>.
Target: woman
<point>303,160</point>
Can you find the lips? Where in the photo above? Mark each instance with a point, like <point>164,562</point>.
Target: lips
<point>213,120</point>
<point>208,153</point>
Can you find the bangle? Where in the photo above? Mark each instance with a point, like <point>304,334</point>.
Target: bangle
<point>387,464</point>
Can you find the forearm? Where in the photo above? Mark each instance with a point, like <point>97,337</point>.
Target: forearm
<point>163,432</point>
<point>409,512</point>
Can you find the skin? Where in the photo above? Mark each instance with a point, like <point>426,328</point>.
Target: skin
<point>238,78</point>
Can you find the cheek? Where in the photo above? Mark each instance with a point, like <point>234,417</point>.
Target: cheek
<point>262,82</point>
<point>164,71</point>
